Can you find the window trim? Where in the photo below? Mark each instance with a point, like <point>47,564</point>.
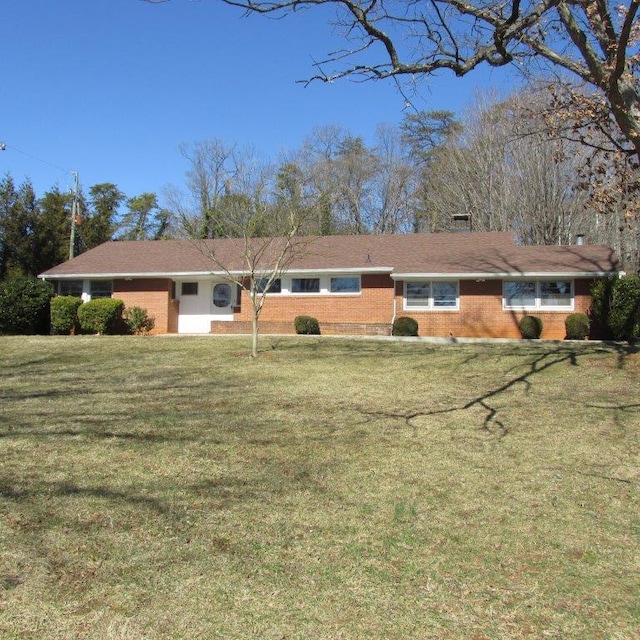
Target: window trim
<point>430,304</point>
<point>538,304</point>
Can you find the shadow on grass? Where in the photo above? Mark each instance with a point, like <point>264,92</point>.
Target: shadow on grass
<point>542,359</point>
<point>69,490</point>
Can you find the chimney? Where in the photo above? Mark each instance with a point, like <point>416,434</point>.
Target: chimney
<point>461,222</point>
<point>580,239</point>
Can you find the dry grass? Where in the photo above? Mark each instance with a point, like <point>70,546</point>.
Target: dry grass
<point>173,488</point>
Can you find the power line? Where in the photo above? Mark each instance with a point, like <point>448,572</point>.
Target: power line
<point>4,146</point>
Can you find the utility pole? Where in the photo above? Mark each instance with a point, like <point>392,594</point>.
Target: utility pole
<point>75,214</point>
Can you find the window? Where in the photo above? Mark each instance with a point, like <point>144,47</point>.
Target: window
<point>429,295</point>
<point>101,289</point>
<point>189,289</point>
<point>556,294</point>
<point>70,288</point>
<point>538,294</point>
<point>274,287</point>
<point>445,294</point>
<point>519,294</point>
<point>305,285</point>
<point>345,284</point>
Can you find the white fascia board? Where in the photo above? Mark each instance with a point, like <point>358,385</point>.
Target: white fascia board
<point>121,276</point>
<point>500,276</point>
<point>204,274</point>
<point>337,270</point>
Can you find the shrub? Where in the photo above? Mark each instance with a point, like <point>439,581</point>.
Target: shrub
<point>577,326</point>
<point>306,325</point>
<point>24,306</point>
<point>103,315</point>
<point>138,321</point>
<point>530,327</point>
<point>624,311</point>
<point>601,295</point>
<point>404,326</point>
<point>64,314</point>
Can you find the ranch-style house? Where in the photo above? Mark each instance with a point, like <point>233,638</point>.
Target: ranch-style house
<point>454,284</point>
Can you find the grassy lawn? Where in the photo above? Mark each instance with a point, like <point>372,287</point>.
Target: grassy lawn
<point>174,488</point>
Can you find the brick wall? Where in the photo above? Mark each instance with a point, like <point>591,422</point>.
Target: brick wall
<point>373,305</point>
<point>481,313</point>
<point>368,313</point>
<point>154,295</point>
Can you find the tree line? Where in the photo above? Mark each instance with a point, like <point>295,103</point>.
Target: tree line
<point>35,232</point>
<point>504,165</point>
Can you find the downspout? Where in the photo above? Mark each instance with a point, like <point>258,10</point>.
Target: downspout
<point>395,305</point>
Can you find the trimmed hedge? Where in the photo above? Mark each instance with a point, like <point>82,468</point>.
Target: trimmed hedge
<point>530,327</point>
<point>404,326</point>
<point>577,326</point>
<point>24,306</point>
<point>306,325</point>
<point>103,315</point>
<point>64,314</point>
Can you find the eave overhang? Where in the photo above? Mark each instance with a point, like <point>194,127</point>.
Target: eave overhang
<point>204,274</point>
<point>502,275</point>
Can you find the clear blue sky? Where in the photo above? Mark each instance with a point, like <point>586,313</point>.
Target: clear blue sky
<point>111,88</point>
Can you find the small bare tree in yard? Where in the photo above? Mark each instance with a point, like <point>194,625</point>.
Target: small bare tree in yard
<point>257,236</point>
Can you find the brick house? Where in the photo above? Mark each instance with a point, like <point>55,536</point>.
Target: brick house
<point>453,284</point>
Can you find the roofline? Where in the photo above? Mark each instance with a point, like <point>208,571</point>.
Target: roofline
<point>505,274</point>
<point>200,274</point>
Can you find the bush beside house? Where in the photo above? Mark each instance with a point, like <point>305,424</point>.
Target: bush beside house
<point>103,315</point>
<point>404,326</point>
<point>306,325</point>
<point>138,321</point>
<point>64,315</point>
<point>615,308</point>
<point>24,306</point>
<point>530,327</point>
<point>577,326</point>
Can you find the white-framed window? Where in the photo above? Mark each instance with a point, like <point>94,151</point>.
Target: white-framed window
<point>538,294</point>
<point>432,295</point>
<point>70,288</point>
<point>305,285</point>
<point>345,284</point>
<point>100,289</point>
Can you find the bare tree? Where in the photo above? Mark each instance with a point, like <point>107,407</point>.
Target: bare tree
<point>257,237</point>
<point>506,173</point>
<point>595,41</point>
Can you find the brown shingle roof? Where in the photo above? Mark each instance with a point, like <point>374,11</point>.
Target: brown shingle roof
<point>479,254</point>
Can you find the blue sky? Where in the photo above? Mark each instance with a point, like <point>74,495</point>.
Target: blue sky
<point>111,88</point>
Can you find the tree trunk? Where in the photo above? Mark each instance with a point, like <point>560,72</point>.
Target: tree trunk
<point>254,331</point>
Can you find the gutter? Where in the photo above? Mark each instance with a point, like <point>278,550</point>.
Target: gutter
<point>204,274</point>
<point>506,274</point>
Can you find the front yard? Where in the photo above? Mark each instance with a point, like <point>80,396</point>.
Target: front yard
<point>174,488</point>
